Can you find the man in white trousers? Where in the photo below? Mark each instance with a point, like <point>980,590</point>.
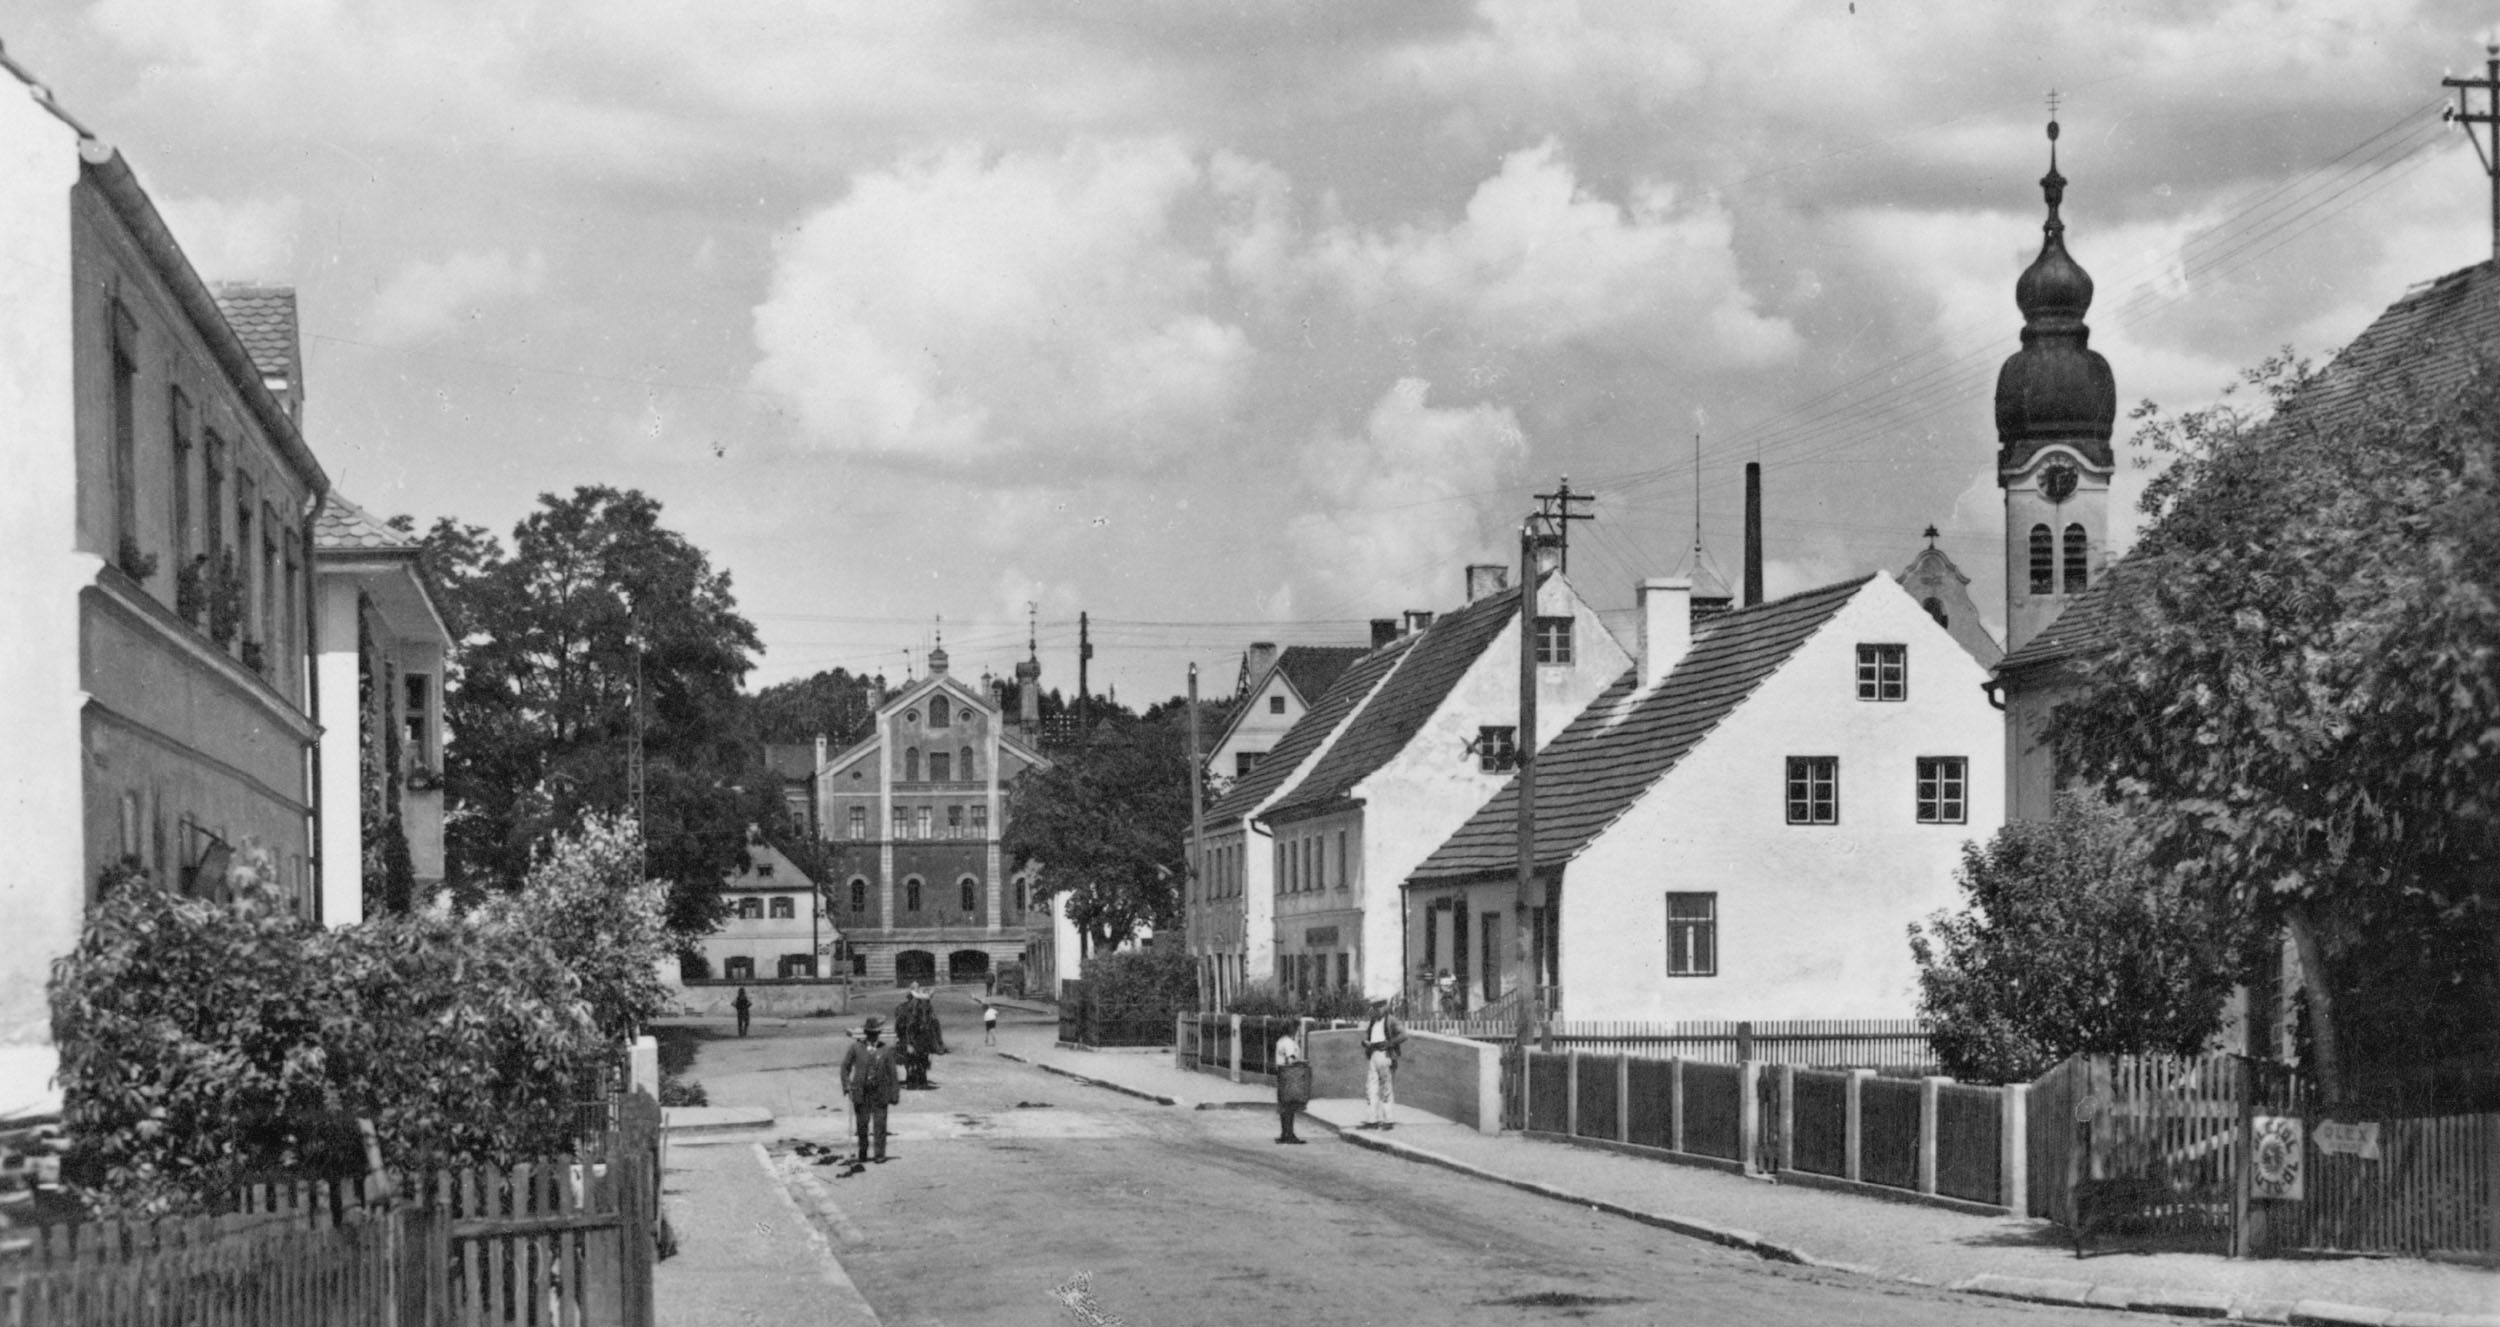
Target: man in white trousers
<point>1383,1041</point>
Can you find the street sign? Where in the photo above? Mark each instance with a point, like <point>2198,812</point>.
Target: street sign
<point>2276,1161</point>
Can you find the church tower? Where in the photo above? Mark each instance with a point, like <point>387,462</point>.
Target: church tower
<point>2055,404</point>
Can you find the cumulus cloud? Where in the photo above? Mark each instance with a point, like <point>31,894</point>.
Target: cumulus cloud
<point>247,239</point>
<point>962,307</point>
<point>1395,506</point>
<point>1537,259</point>
<point>425,300</point>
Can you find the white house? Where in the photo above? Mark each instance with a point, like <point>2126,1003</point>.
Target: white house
<point>1409,764</point>
<point>1742,825</point>
<point>1278,686</point>
<point>775,927</point>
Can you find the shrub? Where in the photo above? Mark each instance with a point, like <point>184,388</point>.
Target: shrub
<point>586,901</point>
<point>1268,1000</point>
<point>1139,984</point>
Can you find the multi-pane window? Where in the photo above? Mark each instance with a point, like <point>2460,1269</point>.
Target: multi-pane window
<point>1276,704</point>
<point>911,765</point>
<point>939,713</point>
<point>178,415</point>
<point>783,910</point>
<point>859,895</point>
<point>124,350</point>
<point>902,822</point>
<point>1553,640</point>
<point>924,819</point>
<point>2043,561</point>
<point>764,869</point>
<point>1813,790</point>
<point>954,822</point>
<point>911,895</point>
<point>980,820</point>
<point>751,909</point>
<point>1883,672</point>
<point>1497,747</point>
<point>1942,781</point>
<point>2078,574</point>
<point>420,712</point>
<point>859,823</point>
<point>1692,935</point>
<point>963,765</point>
<point>941,767</point>
<point>1244,762</point>
<point>964,892</point>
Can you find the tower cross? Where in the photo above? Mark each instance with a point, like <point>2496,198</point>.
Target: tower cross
<point>2486,143</point>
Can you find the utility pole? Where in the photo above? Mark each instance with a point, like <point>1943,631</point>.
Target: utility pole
<point>1540,531</point>
<point>633,765</point>
<point>1556,508</point>
<point>1084,656</point>
<point>2463,113</point>
<point>1194,926</point>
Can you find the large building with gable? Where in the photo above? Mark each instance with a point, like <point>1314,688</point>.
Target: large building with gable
<point>912,818</point>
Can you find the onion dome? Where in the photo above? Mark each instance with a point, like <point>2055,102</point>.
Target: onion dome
<point>2056,388</point>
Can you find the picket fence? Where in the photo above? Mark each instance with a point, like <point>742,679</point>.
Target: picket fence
<point>561,1242</point>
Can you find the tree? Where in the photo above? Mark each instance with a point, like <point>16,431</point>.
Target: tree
<point>835,704</point>
<point>2296,695</point>
<point>541,694</point>
<point>2069,943</point>
<point>1107,825</point>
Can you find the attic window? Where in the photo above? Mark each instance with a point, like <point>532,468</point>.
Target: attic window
<point>1553,640</point>
<point>1276,704</point>
<point>764,869</point>
<point>1497,748</point>
<point>1883,672</point>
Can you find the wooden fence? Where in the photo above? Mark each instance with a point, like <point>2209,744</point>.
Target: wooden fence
<point>567,1242</point>
<point>1900,1044</point>
<point>2419,1187</point>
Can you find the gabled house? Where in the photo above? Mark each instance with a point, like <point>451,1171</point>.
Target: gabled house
<point>774,928</point>
<point>1407,766</point>
<point>382,648</point>
<point>1232,928</point>
<point>1741,826</point>
<point>913,815</point>
<point>1277,687</point>
<point>155,688</point>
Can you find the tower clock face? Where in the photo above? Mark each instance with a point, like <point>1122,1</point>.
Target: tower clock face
<point>2058,481</point>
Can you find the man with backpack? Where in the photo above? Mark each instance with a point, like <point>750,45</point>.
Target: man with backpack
<point>870,1081</point>
<point>1383,1040</point>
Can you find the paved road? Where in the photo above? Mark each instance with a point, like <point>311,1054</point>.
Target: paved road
<point>1006,1184</point>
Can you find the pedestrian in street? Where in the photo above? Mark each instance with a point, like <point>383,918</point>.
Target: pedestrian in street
<point>869,1080</point>
<point>1448,987</point>
<point>1293,1086</point>
<point>989,1023</point>
<point>1383,1040</point>
<point>742,1004</point>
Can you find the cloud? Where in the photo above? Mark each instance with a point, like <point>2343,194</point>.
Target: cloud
<point>962,307</point>
<point>248,239</point>
<point>1536,259</point>
<point>426,300</point>
<point>1396,507</point>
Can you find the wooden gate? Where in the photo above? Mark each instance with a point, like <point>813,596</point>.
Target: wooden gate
<point>2168,1122</point>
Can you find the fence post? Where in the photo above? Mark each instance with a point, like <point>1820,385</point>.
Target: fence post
<point>2013,1133</point>
<point>2491,1189</point>
<point>1623,1098</point>
<point>1854,1124</point>
<point>1180,1041</point>
<point>1744,1042</point>
<point>1571,1093</point>
<point>1788,1117</point>
<point>1675,1103</point>
<point>1236,1048</point>
<point>1749,1114</point>
<point>1930,1097</point>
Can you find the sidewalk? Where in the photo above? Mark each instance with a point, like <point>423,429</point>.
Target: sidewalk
<point>745,1253</point>
<point>2008,1256</point>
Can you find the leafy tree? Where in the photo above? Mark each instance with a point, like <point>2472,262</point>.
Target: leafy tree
<point>588,906</point>
<point>836,704</point>
<point>1107,825</point>
<point>541,694</point>
<point>2297,695</point>
<point>2069,943</point>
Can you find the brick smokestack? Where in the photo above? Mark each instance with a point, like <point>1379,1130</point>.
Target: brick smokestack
<point>1753,533</point>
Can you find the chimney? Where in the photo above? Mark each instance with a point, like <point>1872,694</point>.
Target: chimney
<point>1486,578</point>
<point>1666,625</point>
<point>1262,658</point>
<point>820,757</point>
<point>1753,533</point>
<point>1417,619</point>
<point>1384,630</point>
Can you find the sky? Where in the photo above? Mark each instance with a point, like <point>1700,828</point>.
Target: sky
<point>1223,322</point>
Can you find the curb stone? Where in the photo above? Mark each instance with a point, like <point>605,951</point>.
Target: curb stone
<point>1092,1082</point>
<point>2181,1303</point>
<point>2327,1313</point>
<point>2037,1289</point>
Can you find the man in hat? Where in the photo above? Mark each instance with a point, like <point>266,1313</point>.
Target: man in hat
<point>1383,1041</point>
<point>915,1030</point>
<point>869,1080</point>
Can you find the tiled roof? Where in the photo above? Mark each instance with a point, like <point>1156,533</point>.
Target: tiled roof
<point>2085,625</point>
<point>344,527</point>
<point>1441,655</point>
<point>263,318</point>
<point>1311,731</point>
<point>1604,760</point>
<point>2430,339</point>
<point>1311,668</point>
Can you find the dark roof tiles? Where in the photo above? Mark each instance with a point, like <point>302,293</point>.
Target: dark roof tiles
<point>1311,731</point>
<point>1605,759</point>
<point>343,527</point>
<point>263,318</point>
<point>1312,668</point>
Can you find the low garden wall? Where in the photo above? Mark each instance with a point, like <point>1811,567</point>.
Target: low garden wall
<point>769,997</point>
